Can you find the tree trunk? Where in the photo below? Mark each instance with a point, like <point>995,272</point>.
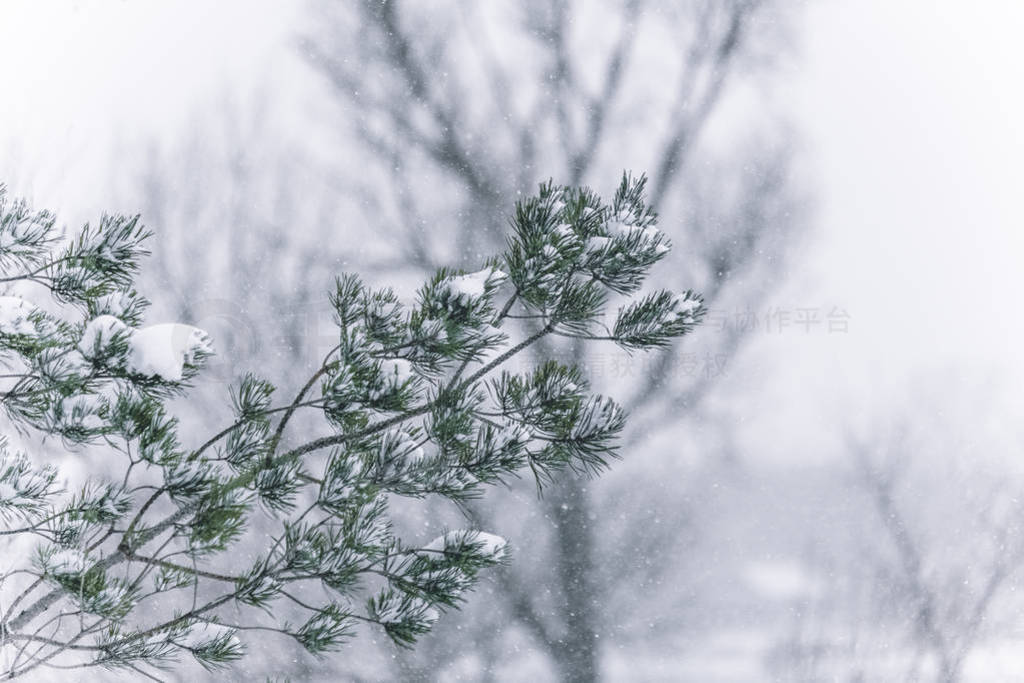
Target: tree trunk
<point>577,655</point>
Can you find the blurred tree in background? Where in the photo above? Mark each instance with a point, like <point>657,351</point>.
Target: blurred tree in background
<point>920,572</point>
<point>493,97</point>
<point>458,109</point>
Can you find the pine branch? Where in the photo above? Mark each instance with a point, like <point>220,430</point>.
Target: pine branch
<point>408,418</point>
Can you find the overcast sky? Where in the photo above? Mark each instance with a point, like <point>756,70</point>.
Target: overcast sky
<point>909,113</point>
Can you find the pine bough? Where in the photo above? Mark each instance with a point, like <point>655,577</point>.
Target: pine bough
<point>136,570</point>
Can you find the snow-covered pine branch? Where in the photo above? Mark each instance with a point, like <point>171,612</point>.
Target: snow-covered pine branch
<point>415,401</point>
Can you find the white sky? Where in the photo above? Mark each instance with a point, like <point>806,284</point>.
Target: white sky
<point>911,116</point>
<point>910,113</point>
<point>81,75</point>
<point>913,112</point>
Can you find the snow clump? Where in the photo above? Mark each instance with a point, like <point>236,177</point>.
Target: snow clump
<point>157,350</point>
<point>471,286</point>
<point>14,313</point>
<point>490,544</point>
